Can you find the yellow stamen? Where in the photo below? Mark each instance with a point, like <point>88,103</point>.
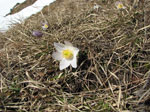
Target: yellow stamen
<point>120,6</point>
<point>67,54</point>
<point>46,26</point>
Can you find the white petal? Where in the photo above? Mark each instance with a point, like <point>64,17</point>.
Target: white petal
<point>76,50</point>
<point>124,7</point>
<point>117,3</point>
<point>68,43</point>
<point>64,64</point>
<point>43,27</point>
<point>57,55</point>
<point>59,47</point>
<point>74,62</point>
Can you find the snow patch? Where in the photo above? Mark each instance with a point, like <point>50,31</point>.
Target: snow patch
<point>5,22</point>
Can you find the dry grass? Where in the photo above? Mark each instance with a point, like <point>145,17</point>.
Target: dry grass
<point>113,62</point>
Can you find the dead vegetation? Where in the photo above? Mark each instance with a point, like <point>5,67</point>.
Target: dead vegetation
<point>113,62</point>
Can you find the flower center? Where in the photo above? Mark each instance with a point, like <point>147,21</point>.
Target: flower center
<point>67,54</point>
<point>46,26</point>
<point>120,6</point>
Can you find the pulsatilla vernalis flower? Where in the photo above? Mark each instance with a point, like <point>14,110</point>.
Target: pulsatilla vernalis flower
<point>45,26</point>
<point>66,54</point>
<point>119,5</point>
<point>37,33</point>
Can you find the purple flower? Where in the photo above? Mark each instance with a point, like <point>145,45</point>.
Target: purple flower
<point>37,33</point>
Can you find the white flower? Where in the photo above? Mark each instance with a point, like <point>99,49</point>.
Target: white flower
<point>119,5</point>
<point>96,6</point>
<point>45,26</point>
<point>66,54</point>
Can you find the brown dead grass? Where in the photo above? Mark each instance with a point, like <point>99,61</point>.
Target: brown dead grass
<point>113,62</point>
